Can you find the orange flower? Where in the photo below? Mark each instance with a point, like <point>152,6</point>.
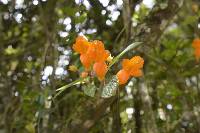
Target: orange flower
<point>136,73</point>
<point>92,53</point>
<point>100,53</point>
<point>84,74</point>
<point>86,61</point>
<point>123,76</point>
<point>196,46</point>
<point>100,69</point>
<point>134,63</point>
<point>127,64</point>
<point>196,43</point>
<point>130,67</point>
<point>137,61</point>
<point>81,45</point>
<point>197,54</point>
<point>97,52</point>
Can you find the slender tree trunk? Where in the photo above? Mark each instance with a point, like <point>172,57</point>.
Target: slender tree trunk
<point>137,107</point>
<point>116,126</point>
<point>149,118</point>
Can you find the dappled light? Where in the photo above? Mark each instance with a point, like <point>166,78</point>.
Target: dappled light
<point>100,66</point>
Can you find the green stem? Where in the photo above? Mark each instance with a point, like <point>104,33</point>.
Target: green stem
<point>63,88</point>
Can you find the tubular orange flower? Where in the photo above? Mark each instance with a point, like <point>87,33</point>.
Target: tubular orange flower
<point>134,63</point>
<point>86,61</point>
<point>130,67</point>
<point>102,55</point>
<point>123,76</point>
<point>92,53</point>
<point>196,46</point>
<point>136,73</point>
<point>196,43</point>
<point>127,64</point>
<point>98,51</point>
<point>197,54</point>
<point>100,69</point>
<point>137,62</point>
<point>81,45</point>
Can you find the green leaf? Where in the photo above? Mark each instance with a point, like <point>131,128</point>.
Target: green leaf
<point>78,81</point>
<point>131,46</point>
<point>11,51</point>
<point>110,88</point>
<point>90,89</point>
<point>70,11</point>
<point>30,128</point>
<point>81,18</point>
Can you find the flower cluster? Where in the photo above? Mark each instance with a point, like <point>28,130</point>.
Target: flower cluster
<point>92,54</point>
<point>130,68</point>
<point>196,46</point>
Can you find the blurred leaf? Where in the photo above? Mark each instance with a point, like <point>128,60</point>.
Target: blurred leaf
<point>90,89</point>
<point>70,11</point>
<point>124,117</point>
<point>30,128</point>
<point>81,18</point>
<point>10,51</point>
<point>13,65</point>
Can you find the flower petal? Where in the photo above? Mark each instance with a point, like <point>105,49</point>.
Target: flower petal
<point>137,62</point>
<point>197,54</point>
<point>196,43</point>
<point>126,64</point>
<point>123,76</point>
<point>81,45</point>
<point>136,73</point>
<point>100,69</point>
<point>100,54</point>
<point>86,61</point>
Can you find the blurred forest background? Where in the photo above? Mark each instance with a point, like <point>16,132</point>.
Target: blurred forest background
<point>36,37</point>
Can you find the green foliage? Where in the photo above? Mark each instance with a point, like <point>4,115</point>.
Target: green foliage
<point>39,94</point>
